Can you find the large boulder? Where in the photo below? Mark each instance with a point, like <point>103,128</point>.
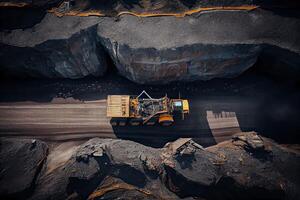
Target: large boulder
<point>55,48</point>
<point>198,46</point>
<point>203,46</point>
<point>256,168</point>
<point>155,49</point>
<point>246,167</point>
<point>105,168</point>
<point>20,164</point>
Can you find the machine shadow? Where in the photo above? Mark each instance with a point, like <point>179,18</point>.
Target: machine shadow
<point>194,126</point>
<point>216,119</point>
<point>261,103</point>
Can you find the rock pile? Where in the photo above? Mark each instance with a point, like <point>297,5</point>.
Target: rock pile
<point>251,141</point>
<point>109,169</point>
<point>20,164</point>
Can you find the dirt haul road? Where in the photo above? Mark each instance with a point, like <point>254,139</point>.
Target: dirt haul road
<point>62,120</point>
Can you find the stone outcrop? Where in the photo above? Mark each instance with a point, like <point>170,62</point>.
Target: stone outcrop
<point>210,45</point>
<point>142,7</point>
<point>105,167</point>
<point>254,170</point>
<point>20,164</point>
<point>55,48</point>
<point>160,49</point>
<point>246,167</point>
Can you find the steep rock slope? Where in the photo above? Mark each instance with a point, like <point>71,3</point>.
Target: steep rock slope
<point>161,49</point>
<point>20,164</point>
<point>246,167</point>
<point>214,44</point>
<point>54,48</point>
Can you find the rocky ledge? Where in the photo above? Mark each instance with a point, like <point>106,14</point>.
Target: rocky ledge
<point>55,48</point>
<point>206,46</point>
<point>246,167</point>
<point>159,49</point>
<point>20,164</point>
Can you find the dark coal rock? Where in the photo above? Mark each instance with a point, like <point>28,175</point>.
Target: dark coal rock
<point>161,49</point>
<point>105,167</point>
<point>203,46</point>
<point>20,164</point>
<point>55,48</point>
<point>246,167</point>
<point>155,49</point>
<point>21,14</point>
<point>252,168</point>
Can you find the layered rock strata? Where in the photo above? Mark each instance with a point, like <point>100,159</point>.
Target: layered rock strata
<point>160,49</point>
<point>246,167</point>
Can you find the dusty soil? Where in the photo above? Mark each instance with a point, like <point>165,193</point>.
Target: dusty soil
<point>75,109</point>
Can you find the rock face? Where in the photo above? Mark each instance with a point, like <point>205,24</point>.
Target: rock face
<point>246,167</point>
<point>210,45</point>
<point>106,168</point>
<point>232,170</point>
<point>203,46</point>
<point>21,162</point>
<point>55,48</point>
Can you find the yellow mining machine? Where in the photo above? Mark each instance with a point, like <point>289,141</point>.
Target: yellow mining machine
<point>135,110</point>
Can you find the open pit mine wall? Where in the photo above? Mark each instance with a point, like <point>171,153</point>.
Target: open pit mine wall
<point>200,46</point>
<point>74,57</point>
<point>246,167</point>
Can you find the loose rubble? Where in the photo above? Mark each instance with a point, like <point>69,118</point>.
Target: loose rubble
<point>246,167</point>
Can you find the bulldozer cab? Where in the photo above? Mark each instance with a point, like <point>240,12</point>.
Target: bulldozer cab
<point>181,105</point>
